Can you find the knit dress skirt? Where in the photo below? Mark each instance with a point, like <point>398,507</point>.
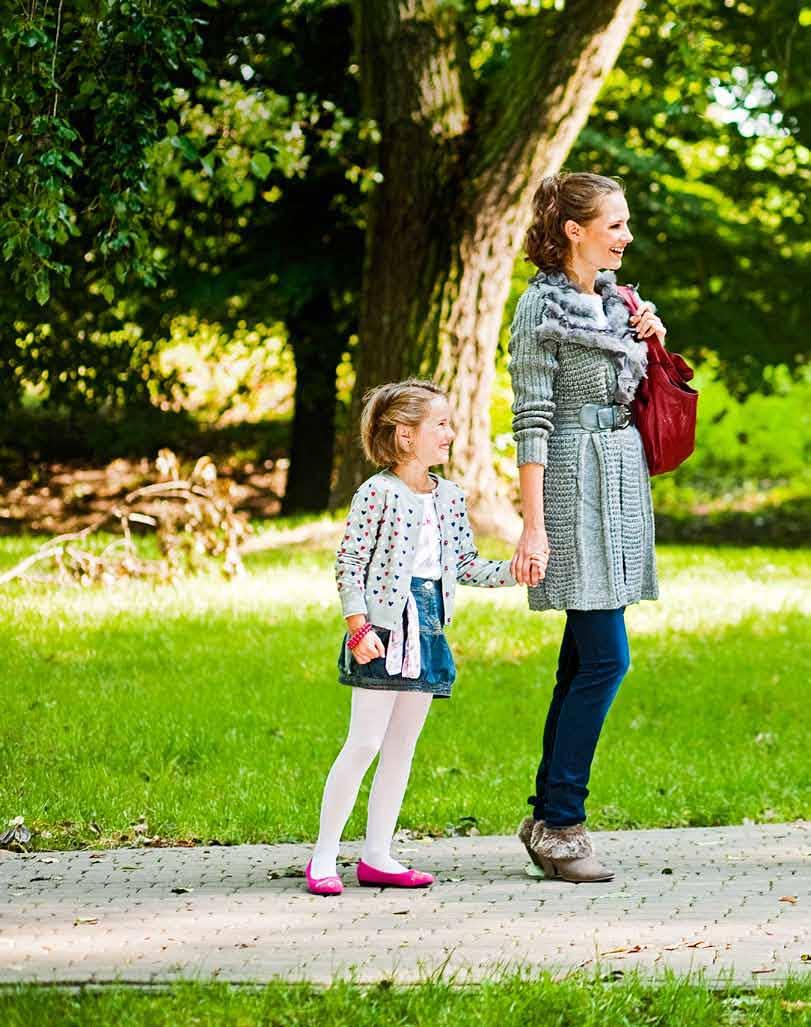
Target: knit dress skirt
<point>599,521</point>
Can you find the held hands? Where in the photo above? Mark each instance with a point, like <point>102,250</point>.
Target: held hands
<point>528,565</point>
<point>645,323</point>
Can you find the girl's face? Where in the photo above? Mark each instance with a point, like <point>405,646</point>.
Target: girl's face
<point>430,442</point>
<point>601,242</point>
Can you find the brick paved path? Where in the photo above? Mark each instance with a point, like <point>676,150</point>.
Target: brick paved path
<point>735,902</point>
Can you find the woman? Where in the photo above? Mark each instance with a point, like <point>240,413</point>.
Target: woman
<point>587,545</point>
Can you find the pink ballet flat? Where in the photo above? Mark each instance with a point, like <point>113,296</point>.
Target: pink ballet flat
<point>369,877</point>
<point>322,885</point>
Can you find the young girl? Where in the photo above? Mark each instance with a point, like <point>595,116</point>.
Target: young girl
<point>407,542</point>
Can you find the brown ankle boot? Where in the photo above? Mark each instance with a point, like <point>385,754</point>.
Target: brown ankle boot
<point>567,853</point>
<point>530,831</point>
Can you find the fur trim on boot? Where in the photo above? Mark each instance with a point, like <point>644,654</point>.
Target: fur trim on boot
<point>567,853</point>
<point>530,832</point>
<point>565,843</point>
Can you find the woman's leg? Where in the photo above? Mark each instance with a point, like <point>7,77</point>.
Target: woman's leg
<point>567,668</point>
<point>603,659</point>
<point>371,712</point>
<point>391,778</point>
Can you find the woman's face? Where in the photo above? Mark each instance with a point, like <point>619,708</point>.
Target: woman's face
<point>601,242</point>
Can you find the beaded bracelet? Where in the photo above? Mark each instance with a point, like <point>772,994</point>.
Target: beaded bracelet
<point>359,635</point>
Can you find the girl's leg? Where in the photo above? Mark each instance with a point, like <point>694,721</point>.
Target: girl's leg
<point>391,778</point>
<point>603,658</point>
<point>371,711</point>
<point>567,668</point>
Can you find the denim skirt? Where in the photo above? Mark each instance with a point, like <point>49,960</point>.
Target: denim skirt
<point>437,670</point>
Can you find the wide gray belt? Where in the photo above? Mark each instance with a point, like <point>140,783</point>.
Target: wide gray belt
<point>594,417</point>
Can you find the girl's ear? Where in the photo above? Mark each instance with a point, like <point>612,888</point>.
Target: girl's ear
<point>402,434</point>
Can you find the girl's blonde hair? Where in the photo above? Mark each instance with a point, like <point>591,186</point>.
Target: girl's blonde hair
<point>570,196</point>
<point>386,406</point>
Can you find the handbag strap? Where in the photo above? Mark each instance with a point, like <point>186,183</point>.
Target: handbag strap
<point>657,354</point>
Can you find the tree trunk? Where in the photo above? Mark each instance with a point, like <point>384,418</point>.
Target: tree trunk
<point>447,222</point>
<point>317,348</point>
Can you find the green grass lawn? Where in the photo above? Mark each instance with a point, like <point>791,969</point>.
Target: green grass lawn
<point>514,1002</point>
<point>212,709</point>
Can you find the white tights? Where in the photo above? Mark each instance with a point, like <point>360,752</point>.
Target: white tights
<point>389,723</point>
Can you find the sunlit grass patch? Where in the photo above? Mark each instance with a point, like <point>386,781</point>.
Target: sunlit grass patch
<point>212,707</point>
<point>575,1001</point>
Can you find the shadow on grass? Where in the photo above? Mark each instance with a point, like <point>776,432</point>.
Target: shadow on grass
<point>224,725</point>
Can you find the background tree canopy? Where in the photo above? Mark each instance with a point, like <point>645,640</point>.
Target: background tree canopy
<point>216,161</point>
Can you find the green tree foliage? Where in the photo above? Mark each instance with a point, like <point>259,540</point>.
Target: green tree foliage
<point>707,117</point>
<point>246,204</point>
<point>209,158</point>
<point>86,88</point>
<point>265,219</point>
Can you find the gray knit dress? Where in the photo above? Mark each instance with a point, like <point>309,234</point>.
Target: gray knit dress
<point>597,501</point>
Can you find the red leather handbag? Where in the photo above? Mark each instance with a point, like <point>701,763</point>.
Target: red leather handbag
<point>664,406</point>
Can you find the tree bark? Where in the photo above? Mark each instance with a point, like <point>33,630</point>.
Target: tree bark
<point>447,222</point>
<point>317,348</point>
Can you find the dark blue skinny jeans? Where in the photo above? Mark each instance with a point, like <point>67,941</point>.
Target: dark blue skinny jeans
<point>594,658</point>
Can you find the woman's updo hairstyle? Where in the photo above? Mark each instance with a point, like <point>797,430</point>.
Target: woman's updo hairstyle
<point>386,406</point>
<point>570,196</point>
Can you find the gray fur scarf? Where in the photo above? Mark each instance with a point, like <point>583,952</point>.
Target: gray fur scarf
<point>568,316</point>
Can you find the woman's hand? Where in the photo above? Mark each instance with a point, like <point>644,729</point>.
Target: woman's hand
<point>369,648</point>
<point>646,323</point>
<point>528,565</point>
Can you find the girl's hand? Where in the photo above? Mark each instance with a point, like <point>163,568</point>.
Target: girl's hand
<point>528,565</point>
<point>646,323</point>
<point>369,648</point>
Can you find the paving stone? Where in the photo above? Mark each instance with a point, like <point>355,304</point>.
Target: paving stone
<point>737,901</point>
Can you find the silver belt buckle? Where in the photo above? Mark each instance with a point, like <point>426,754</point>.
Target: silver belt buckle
<point>623,415</point>
<point>583,416</point>
<point>606,417</point>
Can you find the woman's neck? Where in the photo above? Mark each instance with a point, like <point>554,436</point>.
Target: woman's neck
<point>415,475</point>
<point>581,274</point>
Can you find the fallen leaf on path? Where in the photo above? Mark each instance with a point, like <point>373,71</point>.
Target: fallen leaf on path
<point>690,945</point>
<point>788,898</point>
<point>764,970</point>
<point>17,836</point>
<point>276,875</point>
<point>85,920</point>
<point>805,957</point>
<point>611,952</point>
<point>181,891</point>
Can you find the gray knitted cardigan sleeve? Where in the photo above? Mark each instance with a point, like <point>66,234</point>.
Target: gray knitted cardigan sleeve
<point>532,369</point>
